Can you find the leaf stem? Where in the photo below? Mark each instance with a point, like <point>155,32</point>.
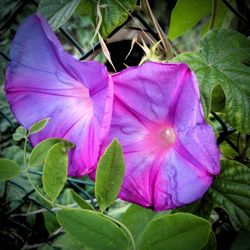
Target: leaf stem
<point>213,16</point>
<point>68,178</point>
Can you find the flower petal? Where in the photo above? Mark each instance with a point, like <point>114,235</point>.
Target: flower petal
<point>42,80</point>
<point>158,119</point>
<point>178,182</point>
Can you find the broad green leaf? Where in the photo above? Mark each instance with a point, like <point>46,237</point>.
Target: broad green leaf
<point>20,133</point>
<point>241,241</point>
<point>212,243</point>
<point>109,175</point>
<point>57,12</point>
<point>38,126</point>
<point>221,12</point>
<point>92,229</point>
<point>67,242</point>
<point>176,231</point>
<point>135,219</point>
<point>80,201</point>
<point>85,7</point>
<point>186,14</point>
<point>38,154</point>
<point>202,208</point>
<point>55,170</point>
<point>231,191</point>
<point>221,60</point>
<point>114,13</point>
<point>8,169</point>
<point>50,222</point>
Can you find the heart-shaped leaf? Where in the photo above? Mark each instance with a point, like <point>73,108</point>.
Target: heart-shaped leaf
<point>231,191</point>
<point>222,60</point>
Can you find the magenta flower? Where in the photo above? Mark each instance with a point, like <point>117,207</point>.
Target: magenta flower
<point>170,152</point>
<point>44,81</point>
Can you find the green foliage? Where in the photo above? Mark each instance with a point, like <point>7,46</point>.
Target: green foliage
<point>57,12</point>
<point>220,16</point>
<point>20,133</point>
<point>231,191</point>
<point>66,242</point>
<point>80,201</point>
<point>176,231</point>
<point>113,13</point>
<point>212,243</point>
<point>241,241</point>
<point>38,126</point>
<point>186,14</point>
<point>136,218</point>
<point>55,170</point>
<point>109,175</point>
<point>221,60</point>
<point>92,230</point>
<point>8,169</point>
<point>38,154</point>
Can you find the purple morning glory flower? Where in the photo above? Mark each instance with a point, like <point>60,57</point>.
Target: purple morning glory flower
<point>44,81</point>
<point>170,151</point>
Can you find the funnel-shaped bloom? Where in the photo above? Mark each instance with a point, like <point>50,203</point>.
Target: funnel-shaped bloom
<point>170,152</point>
<point>44,81</point>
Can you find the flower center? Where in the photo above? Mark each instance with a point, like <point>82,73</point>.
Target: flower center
<point>169,135</point>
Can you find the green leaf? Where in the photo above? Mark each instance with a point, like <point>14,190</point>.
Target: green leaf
<point>50,222</point>
<point>20,133</point>
<point>186,14</point>
<point>241,241</point>
<point>221,61</point>
<point>92,229</point>
<point>8,169</point>
<point>231,191</point>
<point>221,12</point>
<point>80,201</point>
<point>38,154</point>
<point>38,126</point>
<point>212,243</point>
<point>67,242</point>
<point>176,231</point>
<point>57,12</point>
<point>109,175</point>
<point>55,170</point>
<point>114,13</point>
<point>202,208</point>
<point>135,219</point>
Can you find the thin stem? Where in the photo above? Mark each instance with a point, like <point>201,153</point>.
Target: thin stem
<point>223,125</point>
<point>84,192</point>
<point>12,16</point>
<point>165,42</point>
<point>213,16</point>
<point>235,12</point>
<point>5,56</point>
<point>24,153</point>
<point>68,178</point>
<point>72,40</point>
<point>230,143</point>
<point>148,27</point>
